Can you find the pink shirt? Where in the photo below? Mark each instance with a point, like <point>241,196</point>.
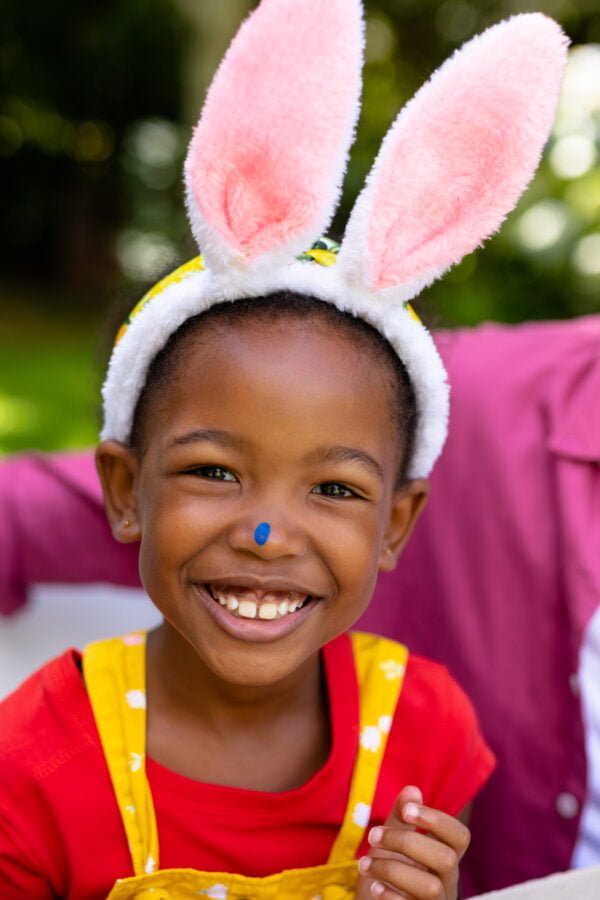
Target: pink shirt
<point>499,581</point>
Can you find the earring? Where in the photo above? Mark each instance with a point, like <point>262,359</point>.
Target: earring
<point>388,552</point>
<point>126,523</point>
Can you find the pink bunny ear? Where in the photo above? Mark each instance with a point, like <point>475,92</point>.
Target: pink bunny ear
<point>266,162</point>
<point>457,158</point>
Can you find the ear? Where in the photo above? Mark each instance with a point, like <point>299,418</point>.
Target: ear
<point>407,506</point>
<point>117,467</point>
<point>457,159</point>
<point>265,165</point>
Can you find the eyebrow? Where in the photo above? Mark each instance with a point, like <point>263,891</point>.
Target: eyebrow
<point>339,453</point>
<point>206,435</point>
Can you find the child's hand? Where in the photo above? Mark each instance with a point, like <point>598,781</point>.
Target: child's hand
<point>405,863</point>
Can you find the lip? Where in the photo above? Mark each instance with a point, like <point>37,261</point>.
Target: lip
<point>261,584</point>
<point>259,631</point>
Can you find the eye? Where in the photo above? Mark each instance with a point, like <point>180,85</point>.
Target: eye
<point>212,473</point>
<point>335,490</point>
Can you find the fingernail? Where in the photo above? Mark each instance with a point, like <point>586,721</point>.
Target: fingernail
<point>411,811</point>
<point>364,864</point>
<point>375,835</point>
<point>377,889</point>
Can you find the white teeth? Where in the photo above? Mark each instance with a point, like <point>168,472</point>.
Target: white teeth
<point>247,609</point>
<point>267,611</point>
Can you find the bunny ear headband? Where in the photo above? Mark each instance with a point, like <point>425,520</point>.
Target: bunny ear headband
<point>264,171</point>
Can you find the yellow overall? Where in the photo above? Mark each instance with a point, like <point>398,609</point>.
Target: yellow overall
<point>114,673</point>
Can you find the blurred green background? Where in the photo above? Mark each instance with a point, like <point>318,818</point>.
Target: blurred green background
<point>96,102</point>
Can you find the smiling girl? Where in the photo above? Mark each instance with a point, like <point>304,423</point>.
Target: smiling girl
<point>269,426</point>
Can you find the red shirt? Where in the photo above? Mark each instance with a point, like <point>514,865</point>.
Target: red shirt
<point>60,830</point>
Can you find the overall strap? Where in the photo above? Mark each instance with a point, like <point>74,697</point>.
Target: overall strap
<point>380,667</point>
<point>115,677</point>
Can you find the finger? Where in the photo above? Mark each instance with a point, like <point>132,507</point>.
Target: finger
<point>440,825</point>
<point>408,794</point>
<point>417,848</point>
<point>383,892</point>
<point>394,876</point>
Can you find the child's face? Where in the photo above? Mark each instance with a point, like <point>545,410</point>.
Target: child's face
<point>283,424</point>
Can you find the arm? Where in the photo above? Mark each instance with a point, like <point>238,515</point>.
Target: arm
<point>53,529</point>
<point>17,877</point>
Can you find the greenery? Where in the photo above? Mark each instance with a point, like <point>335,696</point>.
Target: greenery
<point>48,380</point>
<point>96,101</point>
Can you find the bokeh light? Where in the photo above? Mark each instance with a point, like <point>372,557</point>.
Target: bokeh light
<point>586,255</point>
<point>558,226</point>
<point>154,142</point>
<point>16,416</point>
<point>543,225</point>
<point>381,40</point>
<point>456,20</point>
<point>573,155</point>
<point>577,126</point>
<point>144,255</point>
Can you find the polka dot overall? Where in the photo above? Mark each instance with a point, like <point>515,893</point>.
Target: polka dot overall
<point>114,672</point>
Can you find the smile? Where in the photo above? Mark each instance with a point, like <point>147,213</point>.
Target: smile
<point>250,603</point>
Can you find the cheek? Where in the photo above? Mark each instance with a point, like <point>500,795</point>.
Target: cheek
<point>353,551</point>
<point>171,532</point>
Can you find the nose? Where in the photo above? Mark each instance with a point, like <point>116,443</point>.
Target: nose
<point>268,537</point>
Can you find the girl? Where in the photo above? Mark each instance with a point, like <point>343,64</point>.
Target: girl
<point>269,426</point>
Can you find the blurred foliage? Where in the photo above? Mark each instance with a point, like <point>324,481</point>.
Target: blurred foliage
<point>76,78</point>
<point>48,382</point>
<point>92,101</point>
<point>545,264</point>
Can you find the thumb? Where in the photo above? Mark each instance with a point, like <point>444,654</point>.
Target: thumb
<point>408,794</point>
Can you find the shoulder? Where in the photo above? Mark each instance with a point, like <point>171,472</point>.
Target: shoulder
<point>44,722</point>
<point>432,697</point>
<point>436,740</point>
<point>526,354</point>
<point>46,739</point>
<point>429,685</point>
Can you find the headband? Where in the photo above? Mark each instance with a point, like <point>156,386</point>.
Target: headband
<point>264,171</point>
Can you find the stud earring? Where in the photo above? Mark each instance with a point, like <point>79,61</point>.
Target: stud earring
<point>126,523</point>
<point>388,552</point>
<point>261,533</point>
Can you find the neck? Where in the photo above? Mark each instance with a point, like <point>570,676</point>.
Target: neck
<point>205,728</point>
<point>178,678</point>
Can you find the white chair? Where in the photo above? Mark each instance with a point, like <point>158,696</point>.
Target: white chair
<point>578,884</point>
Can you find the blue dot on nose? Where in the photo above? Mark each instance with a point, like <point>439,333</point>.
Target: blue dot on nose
<point>261,535</point>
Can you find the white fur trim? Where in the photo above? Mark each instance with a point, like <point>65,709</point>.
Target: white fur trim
<point>151,328</point>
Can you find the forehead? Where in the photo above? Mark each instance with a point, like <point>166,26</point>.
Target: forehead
<point>280,381</point>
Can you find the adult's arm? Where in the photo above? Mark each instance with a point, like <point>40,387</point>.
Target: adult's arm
<point>53,527</point>
<point>502,577</point>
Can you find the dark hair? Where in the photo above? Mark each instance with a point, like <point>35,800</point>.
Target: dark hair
<point>278,307</point>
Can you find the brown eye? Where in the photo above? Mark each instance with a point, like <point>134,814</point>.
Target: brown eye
<point>334,489</point>
<point>213,473</point>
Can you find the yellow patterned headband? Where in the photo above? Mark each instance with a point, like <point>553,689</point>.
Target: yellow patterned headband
<point>324,252</point>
